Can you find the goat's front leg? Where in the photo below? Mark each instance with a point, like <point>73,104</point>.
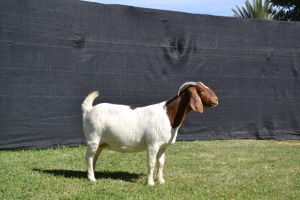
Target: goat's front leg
<point>161,161</point>
<point>152,152</point>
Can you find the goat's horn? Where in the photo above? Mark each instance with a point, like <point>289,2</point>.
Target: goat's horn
<point>185,85</point>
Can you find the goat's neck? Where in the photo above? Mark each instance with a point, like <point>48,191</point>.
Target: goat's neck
<point>177,109</point>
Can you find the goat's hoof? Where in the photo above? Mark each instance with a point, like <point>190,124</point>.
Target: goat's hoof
<point>150,183</point>
<point>161,181</point>
<point>92,179</point>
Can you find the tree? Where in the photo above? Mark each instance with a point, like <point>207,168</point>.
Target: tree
<point>258,10</point>
<point>286,10</point>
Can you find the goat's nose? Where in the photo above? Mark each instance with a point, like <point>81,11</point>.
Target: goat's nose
<point>216,101</point>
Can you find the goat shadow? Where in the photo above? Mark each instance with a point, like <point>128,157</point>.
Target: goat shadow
<point>117,175</point>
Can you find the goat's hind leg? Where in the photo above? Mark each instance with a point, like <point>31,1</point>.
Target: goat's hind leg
<point>99,150</point>
<point>91,152</point>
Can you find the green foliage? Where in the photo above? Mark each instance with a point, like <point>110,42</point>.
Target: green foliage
<point>286,10</point>
<point>256,10</point>
<point>227,169</point>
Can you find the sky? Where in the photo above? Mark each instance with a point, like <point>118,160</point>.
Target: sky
<point>210,7</point>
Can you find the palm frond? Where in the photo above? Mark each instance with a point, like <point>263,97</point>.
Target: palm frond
<point>257,10</point>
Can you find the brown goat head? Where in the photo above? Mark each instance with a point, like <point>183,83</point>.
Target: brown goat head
<point>200,95</point>
<point>191,96</point>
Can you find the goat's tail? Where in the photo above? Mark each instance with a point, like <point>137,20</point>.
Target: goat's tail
<point>87,104</point>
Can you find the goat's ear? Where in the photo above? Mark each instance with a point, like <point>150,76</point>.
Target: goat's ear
<point>195,101</point>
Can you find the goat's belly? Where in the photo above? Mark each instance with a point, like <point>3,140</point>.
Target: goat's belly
<point>124,146</point>
<point>124,149</point>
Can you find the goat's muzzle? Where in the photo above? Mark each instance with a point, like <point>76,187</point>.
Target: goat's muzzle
<point>214,102</point>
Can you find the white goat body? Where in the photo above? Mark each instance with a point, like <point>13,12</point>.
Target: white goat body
<point>122,129</point>
<point>152,128</point>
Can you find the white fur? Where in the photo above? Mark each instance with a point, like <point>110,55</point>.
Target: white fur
<point>122,129</point>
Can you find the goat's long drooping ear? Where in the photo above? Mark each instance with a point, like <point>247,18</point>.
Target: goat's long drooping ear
<point>195,100</point>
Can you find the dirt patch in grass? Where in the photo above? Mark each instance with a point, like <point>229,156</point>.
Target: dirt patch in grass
<point>290,143</point>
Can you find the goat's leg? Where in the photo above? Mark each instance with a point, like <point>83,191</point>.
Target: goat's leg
<point>161,161</point>
<point>152,152</point>
<point>99,150</point>
<point>90,154</point>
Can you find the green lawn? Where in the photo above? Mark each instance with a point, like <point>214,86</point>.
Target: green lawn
<point>225,169</point>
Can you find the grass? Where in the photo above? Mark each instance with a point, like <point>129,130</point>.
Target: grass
<point>227,169</point>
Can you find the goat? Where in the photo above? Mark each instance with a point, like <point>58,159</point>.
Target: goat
<point>151,128</point>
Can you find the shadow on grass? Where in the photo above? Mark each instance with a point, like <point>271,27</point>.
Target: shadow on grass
<point>118,175</point>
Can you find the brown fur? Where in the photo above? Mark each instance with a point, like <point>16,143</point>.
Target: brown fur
<point>177,109</point>
<point>190,98</point>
